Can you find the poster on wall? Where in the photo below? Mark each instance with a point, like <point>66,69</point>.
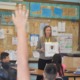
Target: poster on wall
<point>12,54</point>
<point>6,19</point>
<point>54,31</point>
<point>2,35</point>
<point>34,39</point>
<point>14,41</point>
<point>61,26</point>
<point>65,42</point>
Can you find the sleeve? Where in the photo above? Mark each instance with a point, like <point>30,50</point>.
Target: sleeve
<point>64,67</point>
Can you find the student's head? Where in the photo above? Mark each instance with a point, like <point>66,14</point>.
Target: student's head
<point>47,31</point>
<point>57,59</point>
<point>1,79</point>
<point>59,79</point>
<point>5,57</point>
<point>50,72</point>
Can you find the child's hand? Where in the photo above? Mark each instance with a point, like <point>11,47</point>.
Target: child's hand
<point>20,17</point>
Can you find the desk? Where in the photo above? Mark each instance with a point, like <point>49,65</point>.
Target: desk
<point>69,75</point>
<point>40,72</point>
<point>36,72</point>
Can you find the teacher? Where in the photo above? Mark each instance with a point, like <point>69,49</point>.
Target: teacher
<point>47,37</point>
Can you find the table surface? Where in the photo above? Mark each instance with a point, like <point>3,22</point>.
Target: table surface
<point>40,72</point>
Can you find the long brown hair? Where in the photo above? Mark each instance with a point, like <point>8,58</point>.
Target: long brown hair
<point>57,59</point>
<point>45,30</point>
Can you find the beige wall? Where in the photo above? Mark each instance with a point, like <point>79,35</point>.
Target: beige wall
<point>71,62</point>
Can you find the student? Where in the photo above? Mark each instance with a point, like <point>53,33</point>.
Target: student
<point>57,59</point>
<point>5,60</point>
<point>0,79</point>
<point>47,37</point>
<point>3,74</point>
<point>20,19</point>
<point>12,73</point>
<point>50,72</point>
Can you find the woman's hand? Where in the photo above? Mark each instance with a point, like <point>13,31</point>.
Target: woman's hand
<point>42,50</point>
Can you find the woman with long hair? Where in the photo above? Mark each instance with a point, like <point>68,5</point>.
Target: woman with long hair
<point>47,37</point>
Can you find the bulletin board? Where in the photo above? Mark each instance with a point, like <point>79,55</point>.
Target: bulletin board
<point>33,27</point>
<point>46,10</point>
<point>6,18</point>
<point>70,27</point>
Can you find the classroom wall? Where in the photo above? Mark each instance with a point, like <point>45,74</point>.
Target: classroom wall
<point>72,26</point>
<point>34,28</point>
<point>71,62</point>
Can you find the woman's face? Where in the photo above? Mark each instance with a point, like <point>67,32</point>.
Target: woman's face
<point>48,32</point>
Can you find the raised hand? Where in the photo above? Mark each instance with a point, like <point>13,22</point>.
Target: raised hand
<point>20,16</point>
<point>20,19</point>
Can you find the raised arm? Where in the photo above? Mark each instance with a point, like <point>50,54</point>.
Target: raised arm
<point>20,19</point>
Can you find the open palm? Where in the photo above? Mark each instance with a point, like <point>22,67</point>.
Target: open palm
<point>20,17</point>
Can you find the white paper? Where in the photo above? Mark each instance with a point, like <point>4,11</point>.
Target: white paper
<point>2,36</point>
<point>65,43</point>
<point>14,40</point>
<point>34,39</point>
<point>54,31</point>
<point>12,54</point>
<point>36,54</point>
<point>51,48</point>
<point>61,26</point>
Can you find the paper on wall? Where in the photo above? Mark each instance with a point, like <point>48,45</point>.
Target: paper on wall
<point>61,26</point>
<point>54,31</point>
<point>12,54</point>
<point>65,42</point>
<point>2,35</point>
<point>34,39</point>
<point>51,48</point>
<point>14,40</point>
